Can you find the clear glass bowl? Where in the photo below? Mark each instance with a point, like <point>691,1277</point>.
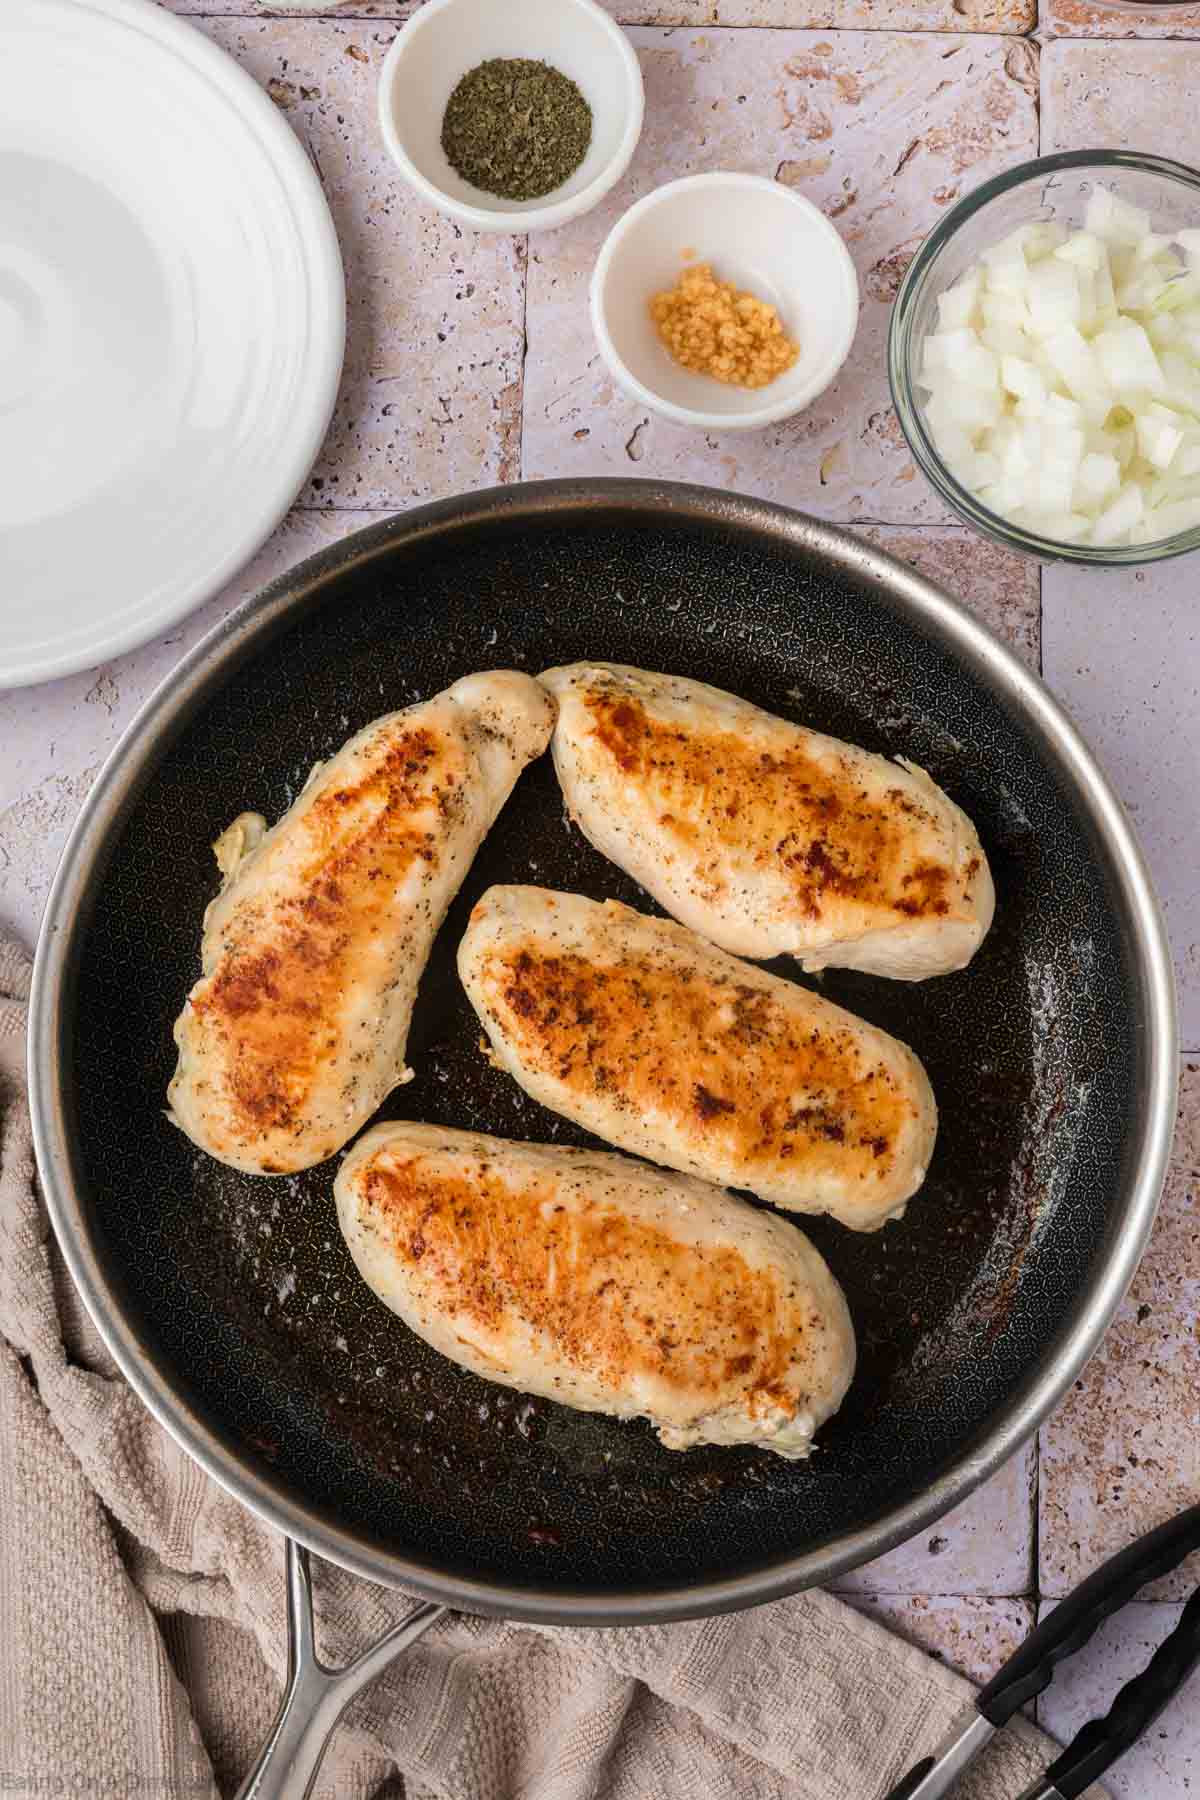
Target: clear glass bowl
<point>1050,188</point>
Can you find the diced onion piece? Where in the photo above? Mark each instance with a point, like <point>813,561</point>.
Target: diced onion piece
<point>1159,435</point>
<point>1106,296</point>
<point>1003,340</point>
<point>1089,319</point>
<point>1075,363</point>
<point>1083,250</point>
<point>1179,292</point>
<point>1183,380</point>
<point>1151,247</point>
<point>956,307</point>
<point>1004,309</point>
<point>1066,526</point>
<point>1053,297</point>
<point>1123,443</point>
<point>1114,219</point>
<point>1142,292</point>
<point>1022,379</point>
<point>1006,271</point>
<point>1099,477</point>
<point>967,360</point>
<point>1064,412</point>
<point>1043,239</point>
<point>1126,511</point>
<point>1165,521</point>
<point>1128,360</point>
<point>1063,378</point>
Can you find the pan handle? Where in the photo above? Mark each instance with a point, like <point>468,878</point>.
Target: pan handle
<point>315,1697</point>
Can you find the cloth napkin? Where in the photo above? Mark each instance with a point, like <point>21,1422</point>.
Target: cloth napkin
<point>143,1637</point>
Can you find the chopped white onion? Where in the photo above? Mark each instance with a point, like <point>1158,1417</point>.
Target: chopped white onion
<point>1064,378</point>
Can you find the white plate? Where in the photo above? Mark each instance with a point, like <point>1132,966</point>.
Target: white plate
<point>172,321</point>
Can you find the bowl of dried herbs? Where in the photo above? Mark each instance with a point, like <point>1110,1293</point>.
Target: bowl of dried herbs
<point>511,115</point>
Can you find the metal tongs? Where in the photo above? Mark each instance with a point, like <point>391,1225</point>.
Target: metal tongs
<point>1069,1627</point>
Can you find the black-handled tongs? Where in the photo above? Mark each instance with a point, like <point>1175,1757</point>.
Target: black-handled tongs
<point>1030,1670</point>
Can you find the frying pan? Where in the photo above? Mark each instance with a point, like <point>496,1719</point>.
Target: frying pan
<point>230,1301</point>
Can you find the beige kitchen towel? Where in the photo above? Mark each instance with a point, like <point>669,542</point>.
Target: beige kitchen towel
<point>142,1632</point>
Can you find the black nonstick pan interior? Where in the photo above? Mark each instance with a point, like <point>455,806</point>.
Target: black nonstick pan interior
<point>241,1289</point>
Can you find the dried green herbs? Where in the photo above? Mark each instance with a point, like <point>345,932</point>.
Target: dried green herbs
<point>516,128</point>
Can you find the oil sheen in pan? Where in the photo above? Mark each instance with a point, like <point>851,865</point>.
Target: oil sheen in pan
<point>244,1284</point>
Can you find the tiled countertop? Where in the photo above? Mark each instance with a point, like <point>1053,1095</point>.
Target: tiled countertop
<point>470,361</point>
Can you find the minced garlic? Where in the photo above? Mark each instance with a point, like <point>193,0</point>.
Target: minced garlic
<point>711,328</point>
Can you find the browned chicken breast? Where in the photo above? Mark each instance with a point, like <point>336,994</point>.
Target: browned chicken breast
<point>591,1279</point>
<point>768,838</point>
<point>649,1036</point>
<point>314,947</point>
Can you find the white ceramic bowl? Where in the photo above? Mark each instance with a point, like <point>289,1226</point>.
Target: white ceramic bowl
<point>767,239</point>
<point>447,38</point>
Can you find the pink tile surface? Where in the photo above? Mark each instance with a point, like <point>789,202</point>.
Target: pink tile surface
<point>56,736</point>
<point>1165,1764</point>
<point>880,130</point>
<point>1075,18</point>
<point>998,586</point>
<point>1123,651</point>
<point>1123,1451</point>
<point>430,401</point>
<point>972,1636</point>
<point>985,1546</point>
<point>1129,96</point>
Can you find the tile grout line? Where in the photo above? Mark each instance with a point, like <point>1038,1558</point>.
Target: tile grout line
<point>524,355</point>
<point>1031,33</point>
<point>1035,1496</point>
<point>398,18</point>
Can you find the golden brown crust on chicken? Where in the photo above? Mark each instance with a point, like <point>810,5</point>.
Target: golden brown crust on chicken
<point>600,1282</point>
<point>295,954</point>
<point>764,836</point>
<point>313,949</point>
<point>647,1035</point>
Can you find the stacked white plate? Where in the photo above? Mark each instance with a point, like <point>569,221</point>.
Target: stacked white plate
<point>172,321</point>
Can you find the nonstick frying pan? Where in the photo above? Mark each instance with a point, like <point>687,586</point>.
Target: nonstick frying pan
<point>231,1303</point>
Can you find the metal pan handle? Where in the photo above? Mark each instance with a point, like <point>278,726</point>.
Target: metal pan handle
<point>315,1697</point>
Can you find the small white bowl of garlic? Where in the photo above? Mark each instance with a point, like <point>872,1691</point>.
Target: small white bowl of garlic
<point>704,252</point>
<point>1044,356</point>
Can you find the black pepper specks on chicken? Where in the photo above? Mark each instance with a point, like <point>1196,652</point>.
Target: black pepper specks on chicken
<point>766,837</point>
<point>600,1282</point>
<point>647,1035</point>
<point>313,949</point>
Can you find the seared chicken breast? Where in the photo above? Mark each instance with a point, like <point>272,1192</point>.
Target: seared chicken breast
<point>766,837</point>
<point>647,1035</point>
<point>313,949</point>
<point>595,1280</point>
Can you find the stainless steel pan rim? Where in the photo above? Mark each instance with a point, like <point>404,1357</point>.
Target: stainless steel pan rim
<point>932,611</point>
